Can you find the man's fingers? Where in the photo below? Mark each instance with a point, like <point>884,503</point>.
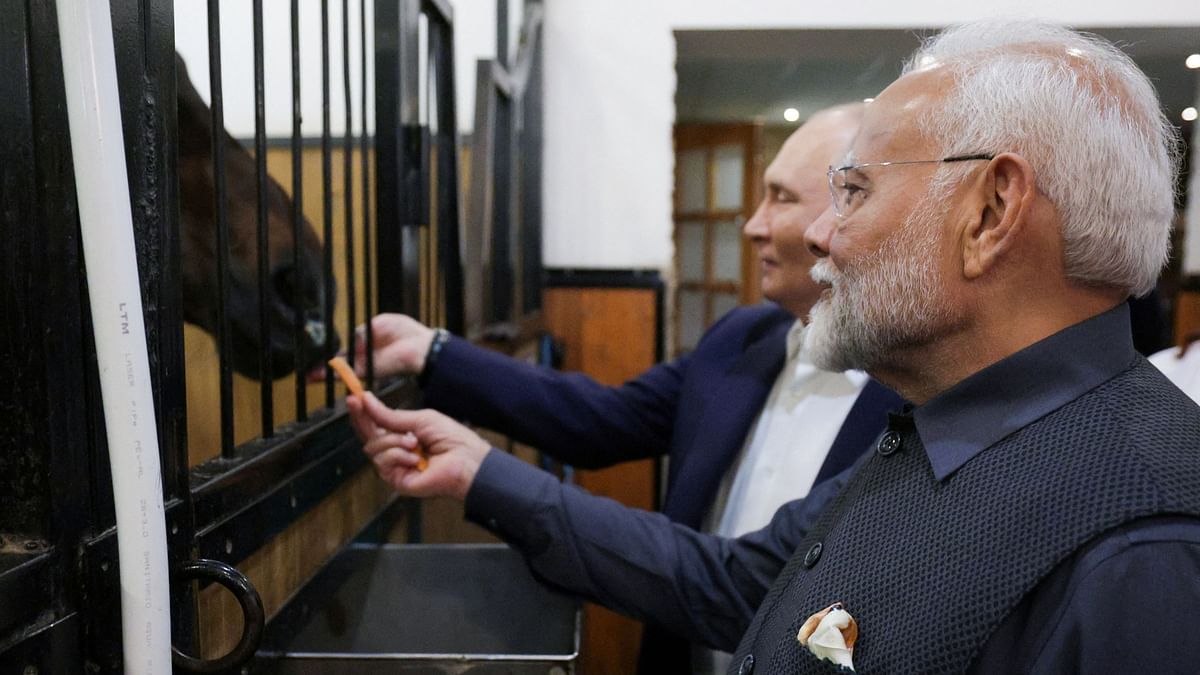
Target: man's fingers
<point>387,441</point>
<point>394,458</point>
<point>364,427</point>
<point>398,420</point>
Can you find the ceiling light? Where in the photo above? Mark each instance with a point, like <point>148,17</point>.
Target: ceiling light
<point>1193,61</point>
<point>1189,114</point>
<point>868,100</point>
<point>791,114</point>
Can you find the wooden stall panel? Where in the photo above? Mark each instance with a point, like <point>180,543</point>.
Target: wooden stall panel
<point>1187,314</point>
<point>278,569</point>
<point>609,334</point>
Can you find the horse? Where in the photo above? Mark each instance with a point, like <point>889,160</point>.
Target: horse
<point>294,290</point>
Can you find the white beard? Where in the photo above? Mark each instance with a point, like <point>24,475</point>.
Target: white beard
<point>883,301</point>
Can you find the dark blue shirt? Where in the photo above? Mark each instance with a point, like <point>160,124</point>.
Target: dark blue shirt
<point>1127,602</point>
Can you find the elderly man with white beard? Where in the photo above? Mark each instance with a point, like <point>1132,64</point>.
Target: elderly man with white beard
<point>1036,508</point>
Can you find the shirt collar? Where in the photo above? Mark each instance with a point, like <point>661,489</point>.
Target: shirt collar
<point>991,404</point>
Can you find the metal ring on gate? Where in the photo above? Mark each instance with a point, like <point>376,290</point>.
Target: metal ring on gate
<point>253,617</point>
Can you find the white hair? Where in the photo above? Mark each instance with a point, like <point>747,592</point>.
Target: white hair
<point>1086,119</point>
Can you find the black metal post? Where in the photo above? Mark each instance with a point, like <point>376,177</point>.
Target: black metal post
<point>264,274</point>
<point>224,336</point>
<point>364,146</point>
<point>441,42</point>
<point>397,155</point>
<point>348,182</point>
<point>300,338</point>
<point>327,195</point>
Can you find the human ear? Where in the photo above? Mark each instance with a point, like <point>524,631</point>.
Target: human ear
<point>997,212</point>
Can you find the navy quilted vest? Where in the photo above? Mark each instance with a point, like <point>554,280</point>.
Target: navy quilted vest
<point>913,557</point>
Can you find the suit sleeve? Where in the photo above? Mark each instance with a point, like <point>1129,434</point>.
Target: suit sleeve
<point>1132,604</point>
<point>567,415</point>
<point>701,587</point>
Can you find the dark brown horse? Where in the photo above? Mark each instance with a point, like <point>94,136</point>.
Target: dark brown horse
<point>293,289</point>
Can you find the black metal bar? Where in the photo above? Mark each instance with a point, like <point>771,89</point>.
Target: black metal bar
<point>441,10</point>
<point>224,336</point>
<point>503,183</point>
<point>348,183</point>
<point>53,648</point>
<point>45,475</point>
<point>300,337</point>
<point>364,145</point>
<point>502,32</point>
<point>569,277</point>
<point>397,158</point>
<point>531,170</point>
<point>429,291</point>
<point>327,196</point>
<point>477,233</point>
<point>155,194</point>
<point>441,41</point>
<point>264,272</point>
<point>414,196</point>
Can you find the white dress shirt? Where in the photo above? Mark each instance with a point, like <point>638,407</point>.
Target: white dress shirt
<point>782,454</point>
<point>1183,371</point>
<point>787,443</point>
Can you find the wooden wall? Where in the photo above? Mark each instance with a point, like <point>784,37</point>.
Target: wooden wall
<point>609,334</point>
<point>1187,314</point>
<point>280,568</point>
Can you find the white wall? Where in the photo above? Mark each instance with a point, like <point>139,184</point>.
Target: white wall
<point>610,100</point>
<point>610,85</point>
<point>475,38</point>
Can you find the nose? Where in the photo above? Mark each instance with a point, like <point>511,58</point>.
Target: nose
<point>820,232</point>
<point>756,228</point>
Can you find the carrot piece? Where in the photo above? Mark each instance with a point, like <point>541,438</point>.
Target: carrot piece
<point>345,372</point>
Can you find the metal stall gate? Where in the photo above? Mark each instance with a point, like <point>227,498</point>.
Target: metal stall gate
<point>403,246</point>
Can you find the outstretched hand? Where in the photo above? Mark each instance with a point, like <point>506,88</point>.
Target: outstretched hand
<point>399,343</point>
<point>391,438</point>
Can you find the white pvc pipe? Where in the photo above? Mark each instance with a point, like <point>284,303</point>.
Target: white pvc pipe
<point>90,74</point>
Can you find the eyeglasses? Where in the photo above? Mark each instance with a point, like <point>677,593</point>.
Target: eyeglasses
<point>845,193</point>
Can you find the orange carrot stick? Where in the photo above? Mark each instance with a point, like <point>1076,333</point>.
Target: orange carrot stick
<point>345,372</point>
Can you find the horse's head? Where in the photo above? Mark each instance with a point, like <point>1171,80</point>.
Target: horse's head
<point>294,289</point>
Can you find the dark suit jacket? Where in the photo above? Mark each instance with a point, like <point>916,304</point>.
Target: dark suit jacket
<point>697,409</point>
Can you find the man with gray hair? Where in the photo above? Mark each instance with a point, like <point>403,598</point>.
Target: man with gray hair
<point>1037,506</point>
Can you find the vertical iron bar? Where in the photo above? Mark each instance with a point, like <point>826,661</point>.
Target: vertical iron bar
<point>368,285</point>
<point>442,43</point>
<point>501,309</point>
<point>265,369</point>
<point>414,199</point>
<point>397,145</point>
<point>327,196</point>
<point>531,178</point>
<point>299,301</point>
<point>224,342</point>
<point>348,182</point>
<point>502,33</point>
